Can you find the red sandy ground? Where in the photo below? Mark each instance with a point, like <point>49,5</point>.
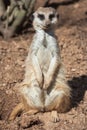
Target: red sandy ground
<point>72,35</point>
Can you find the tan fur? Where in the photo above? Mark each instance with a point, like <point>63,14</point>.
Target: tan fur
<point>44,87</point>
<point>17,109</point>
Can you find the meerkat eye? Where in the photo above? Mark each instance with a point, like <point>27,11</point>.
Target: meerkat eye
<point>41,16</point>
<point>51,16</point>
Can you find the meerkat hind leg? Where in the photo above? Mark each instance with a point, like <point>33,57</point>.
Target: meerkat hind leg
<point>54,116</point>
<point>33,98</point>
<point>56,102</point>
<point>31,112</point>
<point>58,99</point>
<point>52,103</point>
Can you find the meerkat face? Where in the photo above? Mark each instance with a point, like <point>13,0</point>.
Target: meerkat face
<point>45,18</point>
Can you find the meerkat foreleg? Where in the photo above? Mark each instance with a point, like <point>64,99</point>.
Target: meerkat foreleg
<point>37,70</point>
<point>35,62</point>
<point>50,72</point>
<point>55,61</point>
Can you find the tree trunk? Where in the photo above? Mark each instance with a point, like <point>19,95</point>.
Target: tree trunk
<point>2,8</point>
<point>14,17</point>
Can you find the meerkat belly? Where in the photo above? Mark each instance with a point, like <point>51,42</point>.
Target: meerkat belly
<point>44,58</point>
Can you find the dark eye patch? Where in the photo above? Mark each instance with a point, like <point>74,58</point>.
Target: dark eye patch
<point>51,16</point>
<point>41,16</point>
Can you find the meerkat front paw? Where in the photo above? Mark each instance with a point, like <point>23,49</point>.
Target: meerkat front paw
<point>45,86</point>
<point>47,82</point>
<point>40,80</point>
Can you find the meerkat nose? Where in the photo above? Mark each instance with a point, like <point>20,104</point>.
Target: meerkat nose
<point>48,24</point>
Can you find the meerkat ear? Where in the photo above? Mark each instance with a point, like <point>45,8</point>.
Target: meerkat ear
<point>32,17</point>
<point>57,15</point>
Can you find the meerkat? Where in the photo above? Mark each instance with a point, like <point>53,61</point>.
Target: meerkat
<point>44,87</point>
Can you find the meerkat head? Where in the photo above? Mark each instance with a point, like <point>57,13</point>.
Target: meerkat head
<point>45,18</point>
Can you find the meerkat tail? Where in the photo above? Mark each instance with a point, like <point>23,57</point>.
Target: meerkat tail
<point>19,108</point>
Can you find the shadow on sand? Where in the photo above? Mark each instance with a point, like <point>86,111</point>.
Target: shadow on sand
<point>79,86</point>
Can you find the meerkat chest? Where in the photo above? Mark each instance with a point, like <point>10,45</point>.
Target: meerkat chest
<point>44,55</point>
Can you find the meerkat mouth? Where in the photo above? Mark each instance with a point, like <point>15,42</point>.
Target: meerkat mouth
<point>46,27</point>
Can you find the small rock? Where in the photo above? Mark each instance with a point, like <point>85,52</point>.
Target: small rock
<point>76,6</point>
<point>73,70</point>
